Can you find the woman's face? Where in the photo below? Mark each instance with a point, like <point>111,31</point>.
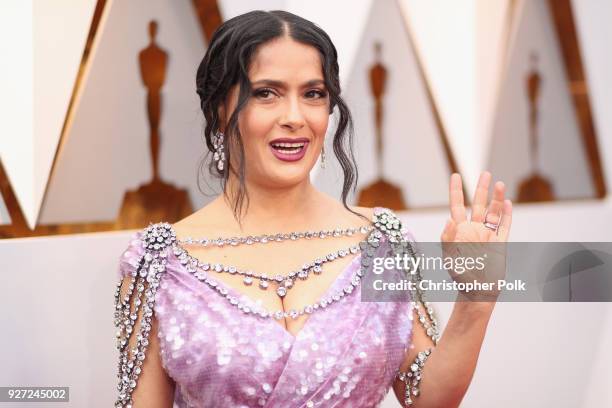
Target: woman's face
<point>284,123</point>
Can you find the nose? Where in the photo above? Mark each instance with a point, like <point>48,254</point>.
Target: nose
<point>292,117</point>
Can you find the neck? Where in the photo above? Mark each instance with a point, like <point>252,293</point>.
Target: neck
<point>284,207</point>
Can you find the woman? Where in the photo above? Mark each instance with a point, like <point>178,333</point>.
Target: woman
<point>231,321</point>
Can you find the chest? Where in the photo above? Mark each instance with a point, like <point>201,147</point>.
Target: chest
<point>280,259</point>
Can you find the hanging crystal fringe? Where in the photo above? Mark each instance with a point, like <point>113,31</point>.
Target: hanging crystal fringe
<point>429,323</point>
<point>140,296</point>
<point>390,224</point>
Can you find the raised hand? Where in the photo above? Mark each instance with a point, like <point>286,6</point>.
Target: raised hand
<point>489,223</point>
<point>499,211</point>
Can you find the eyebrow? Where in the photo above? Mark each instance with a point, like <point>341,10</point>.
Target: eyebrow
<point>281,84</point>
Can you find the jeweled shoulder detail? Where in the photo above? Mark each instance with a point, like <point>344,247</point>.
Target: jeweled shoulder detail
<point>388,223</point>
<point>139,300</point>
<point>158,236</point>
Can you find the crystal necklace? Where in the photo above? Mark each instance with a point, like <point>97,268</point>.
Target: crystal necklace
<point>284,283</point>
<point>265,238</point>
<point>279,314</point>
<point>200,269</point>
<point>159,236</point>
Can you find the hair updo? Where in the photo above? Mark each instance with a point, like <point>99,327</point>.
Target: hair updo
<point>226,64</point>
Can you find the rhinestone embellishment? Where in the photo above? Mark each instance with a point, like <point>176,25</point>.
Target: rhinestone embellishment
<point>158,236</point>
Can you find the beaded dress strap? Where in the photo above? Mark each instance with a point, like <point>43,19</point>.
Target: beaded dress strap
<point>138,302</point>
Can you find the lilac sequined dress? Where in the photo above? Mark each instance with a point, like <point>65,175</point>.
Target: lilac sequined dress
<point>344,356</point>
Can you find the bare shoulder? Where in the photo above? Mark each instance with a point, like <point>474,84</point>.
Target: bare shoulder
<point>210,219</point>
<point>365,211</point>
<point>332,208</point>
<point>365,218</point>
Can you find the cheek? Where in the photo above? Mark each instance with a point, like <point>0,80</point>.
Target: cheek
<point>255,125</point>
<point>256,121</point>
<point>318,122</point>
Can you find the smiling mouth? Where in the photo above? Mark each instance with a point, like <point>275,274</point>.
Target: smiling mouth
<point>288,148</point>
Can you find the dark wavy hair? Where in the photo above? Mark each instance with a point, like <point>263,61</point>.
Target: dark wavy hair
<point>226,63</point>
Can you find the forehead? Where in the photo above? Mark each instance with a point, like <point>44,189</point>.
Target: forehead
<point>285,59</point>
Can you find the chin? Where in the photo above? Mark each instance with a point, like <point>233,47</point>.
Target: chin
<point>285,176</point>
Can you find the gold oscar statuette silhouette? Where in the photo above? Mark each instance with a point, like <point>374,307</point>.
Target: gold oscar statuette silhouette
<point>535,187</point>
<point>156,200</point>
<point>381,192</point>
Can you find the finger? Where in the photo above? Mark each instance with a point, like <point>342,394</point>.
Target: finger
<point>506,221</point>
<point>457,207</point>
<point>449,232</point>
<point>494,211</point>
<point>481,194</point>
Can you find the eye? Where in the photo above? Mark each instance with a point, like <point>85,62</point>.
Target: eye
<point>316,94</point>
<point>263,93</point>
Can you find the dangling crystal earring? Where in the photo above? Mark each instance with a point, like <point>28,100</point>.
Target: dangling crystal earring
<point>219,155</point>
<point>323,157</point>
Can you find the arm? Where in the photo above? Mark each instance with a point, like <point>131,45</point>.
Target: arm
<point>450,367</point>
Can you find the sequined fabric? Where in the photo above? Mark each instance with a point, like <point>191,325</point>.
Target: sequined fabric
<point>345,356</point>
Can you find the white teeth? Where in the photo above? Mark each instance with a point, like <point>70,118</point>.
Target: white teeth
<point>288,145</point>
<point>289,148</point>
<point>291,151</point>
